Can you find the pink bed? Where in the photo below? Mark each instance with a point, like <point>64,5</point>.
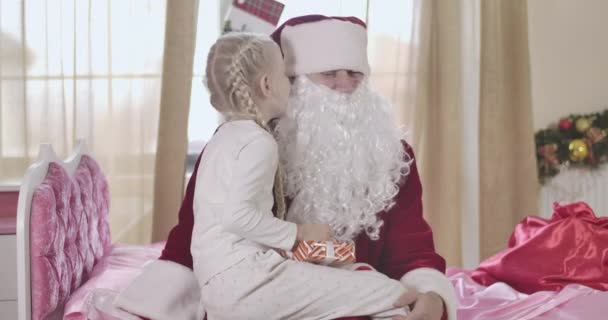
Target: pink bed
<point>93,300</point>
<point>501,302</point>
<point>69,269</point>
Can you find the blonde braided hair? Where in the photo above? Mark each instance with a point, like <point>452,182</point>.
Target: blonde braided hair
<point>235,61</point>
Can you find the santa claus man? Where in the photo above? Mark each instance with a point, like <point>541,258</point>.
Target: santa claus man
<point>345,164</point>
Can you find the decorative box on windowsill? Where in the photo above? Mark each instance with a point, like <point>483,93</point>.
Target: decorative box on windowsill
<point>259,16</point>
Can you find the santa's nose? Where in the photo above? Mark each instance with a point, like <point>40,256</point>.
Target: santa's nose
<point>344,82</point>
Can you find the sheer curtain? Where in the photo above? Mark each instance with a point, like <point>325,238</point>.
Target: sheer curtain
<point>180,41</point>
<point>85,69</point>
<point>405,62</point>
<point>458,75</point>
<point>392,49</point>
<point>507,155</point>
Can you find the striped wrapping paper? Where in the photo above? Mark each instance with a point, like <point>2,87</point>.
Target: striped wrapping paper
<point>329,253</point>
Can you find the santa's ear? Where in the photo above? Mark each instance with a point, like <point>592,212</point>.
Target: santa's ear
<point>264,86</point>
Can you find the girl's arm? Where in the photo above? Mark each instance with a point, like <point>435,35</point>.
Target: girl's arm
<point>254,173</point>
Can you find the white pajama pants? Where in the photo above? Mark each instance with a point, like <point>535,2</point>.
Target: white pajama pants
<point>266,286</point>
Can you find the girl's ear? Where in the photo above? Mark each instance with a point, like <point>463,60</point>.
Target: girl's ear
<point>264,86</point>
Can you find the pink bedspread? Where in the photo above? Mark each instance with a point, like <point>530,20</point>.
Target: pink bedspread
<point>94,299</point>
<point>501,302</point>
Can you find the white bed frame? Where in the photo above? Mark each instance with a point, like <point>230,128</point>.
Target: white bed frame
<point>33,177</point>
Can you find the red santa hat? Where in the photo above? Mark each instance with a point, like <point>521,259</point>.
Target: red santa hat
<point>316,43</point>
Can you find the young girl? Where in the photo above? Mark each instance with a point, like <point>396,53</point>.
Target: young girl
<point>240,274</point>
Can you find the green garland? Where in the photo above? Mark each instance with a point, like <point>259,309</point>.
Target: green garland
<point>227,27</point>
<point>577,140</point>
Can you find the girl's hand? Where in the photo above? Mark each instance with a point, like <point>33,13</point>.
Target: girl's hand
<point>424,306</point>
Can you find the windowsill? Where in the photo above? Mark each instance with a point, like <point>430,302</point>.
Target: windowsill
<point>9,186</point>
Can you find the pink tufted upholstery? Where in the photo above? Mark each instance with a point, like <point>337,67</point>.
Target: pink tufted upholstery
<point>69,234</point>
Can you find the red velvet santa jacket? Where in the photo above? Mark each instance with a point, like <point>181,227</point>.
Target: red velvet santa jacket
<point>404,251</point>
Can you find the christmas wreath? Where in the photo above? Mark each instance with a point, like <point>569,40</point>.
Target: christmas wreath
<point>577,140</point>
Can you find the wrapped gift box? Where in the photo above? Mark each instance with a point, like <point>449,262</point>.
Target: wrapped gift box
<point>330,253</point>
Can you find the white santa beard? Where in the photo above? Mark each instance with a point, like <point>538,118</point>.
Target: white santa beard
<point>342,157</point>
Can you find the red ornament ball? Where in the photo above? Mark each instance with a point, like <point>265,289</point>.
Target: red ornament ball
<point>565,124</point>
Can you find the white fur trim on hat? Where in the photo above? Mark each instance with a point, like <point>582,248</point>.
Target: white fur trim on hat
<point>430,280</point>
<point>324,46</point>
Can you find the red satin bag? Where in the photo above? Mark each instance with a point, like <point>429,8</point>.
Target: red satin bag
<point>571,247</point>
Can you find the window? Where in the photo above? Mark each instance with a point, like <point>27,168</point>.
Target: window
<point>72,69</point>
<point>390,29</point>
<point>203,118</point>
<point>85,69</point>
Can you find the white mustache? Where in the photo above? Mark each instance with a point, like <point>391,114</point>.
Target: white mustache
<point>342,156</point>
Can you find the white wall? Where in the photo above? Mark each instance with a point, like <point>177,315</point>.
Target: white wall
<point>569,57</point>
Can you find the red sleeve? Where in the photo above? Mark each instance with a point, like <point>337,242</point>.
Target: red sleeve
<point>407,237</point>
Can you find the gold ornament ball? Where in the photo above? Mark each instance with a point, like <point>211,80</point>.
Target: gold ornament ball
<point>579,150</point>
<point>582,125</point>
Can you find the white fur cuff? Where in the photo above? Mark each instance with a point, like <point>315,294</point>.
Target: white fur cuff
<point>164,290</point>
<point>430,280</point>
<point>324,46</point>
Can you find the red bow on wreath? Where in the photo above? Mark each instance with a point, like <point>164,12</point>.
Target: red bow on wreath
<point>548,153</point>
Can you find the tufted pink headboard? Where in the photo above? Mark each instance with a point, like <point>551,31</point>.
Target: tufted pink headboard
<point>68,232</point>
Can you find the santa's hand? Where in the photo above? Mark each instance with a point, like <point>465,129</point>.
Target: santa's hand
<point>426,306</point>
<point>314,232</point>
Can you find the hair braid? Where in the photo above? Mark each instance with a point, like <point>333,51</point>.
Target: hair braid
<point>242,90</point>
<point>235,90</point>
